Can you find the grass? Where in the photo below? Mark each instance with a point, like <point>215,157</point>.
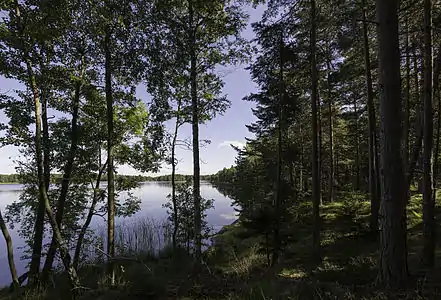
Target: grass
<point>236,267</point>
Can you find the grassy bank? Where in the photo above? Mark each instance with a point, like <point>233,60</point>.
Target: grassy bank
<point>236,266</point>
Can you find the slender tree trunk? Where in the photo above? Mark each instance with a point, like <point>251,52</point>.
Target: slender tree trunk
<point>373,166</point>
<point>320,148</point>
<point>436,95</point>
<point>46,145</point>
<point>64,253</point>
<point>173,177</point>
<point>393,258</point>
<point>406,124</point>
<point>419,126</point>
<point>302,182</point>
<point>357,148</point>
<point>110,164</point>
<point>275,256</point>
<point>435,160</point>
<point>10,249</point>
<point>195,130</point>
<point>331,140</point>
<point>66,175</point>
<point>314,158</point>
<point>97,195</point>
<point>37,246</point>
<point>428,204</point>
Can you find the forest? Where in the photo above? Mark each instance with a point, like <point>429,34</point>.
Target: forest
<point>15,178</point>
<point>336,192</point>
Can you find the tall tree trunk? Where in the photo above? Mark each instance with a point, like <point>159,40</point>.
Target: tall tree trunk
<point>64,253</point>
<point>436,95</point>
<point>97,195</point>
<point>435,160</point>
<point>428,204</point>
<point>277,199</point>
<point>110,163</point>
<point>331,139</point>
<point>373,166</point>
<point>393,258</point>
<point>320,146</point>
<point>67,173</point>
<point>357,148</point>
<point>195,130</point>
<point>173,176</point>
<point>44,204</point>
<point>302,182</point>
<point>419,126</point>
<point>10,249</point>
<point>314,159</point>
<point>34,267</point>
<point>46,146</point>
<point>406,124</point>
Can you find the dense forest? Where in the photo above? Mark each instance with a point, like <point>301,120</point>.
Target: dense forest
<point>336,191</point>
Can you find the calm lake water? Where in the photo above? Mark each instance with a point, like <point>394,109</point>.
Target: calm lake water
<point>153,196</point>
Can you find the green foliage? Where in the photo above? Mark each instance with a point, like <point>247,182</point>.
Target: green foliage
<point>185,207</point>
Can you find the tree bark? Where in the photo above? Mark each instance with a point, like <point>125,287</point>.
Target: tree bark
<point>195,131</point>
<point>393,271</point>
<point>373,167</point>
<point>10,249</point>
<point>46,145</point>
<point>406,124</point>
<point>110,162</point>
<point>428,204</point>
<point>314,159</point>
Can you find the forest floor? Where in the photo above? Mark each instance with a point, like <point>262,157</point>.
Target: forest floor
<point>237,268</point>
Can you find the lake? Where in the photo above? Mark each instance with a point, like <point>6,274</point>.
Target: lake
<point>152,194</point>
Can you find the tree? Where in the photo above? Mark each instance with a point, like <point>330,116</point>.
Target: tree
<point>428,203</point>
<point>314,130</point>
<point>19,40</point>
<point>206,34</point>
<point>373,158</point>
<point>10,249</point>
<point>184,220</point>
<point>393,258</point>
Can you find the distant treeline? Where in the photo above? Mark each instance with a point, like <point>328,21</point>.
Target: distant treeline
<point>9,178</point>
<point>15,178</point>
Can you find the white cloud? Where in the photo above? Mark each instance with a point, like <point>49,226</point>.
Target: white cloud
<point>234,143</point>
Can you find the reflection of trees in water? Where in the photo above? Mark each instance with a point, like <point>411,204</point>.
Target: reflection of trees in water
<point>227,190</point>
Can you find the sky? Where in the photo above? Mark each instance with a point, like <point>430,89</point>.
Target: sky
<point>221,131</point>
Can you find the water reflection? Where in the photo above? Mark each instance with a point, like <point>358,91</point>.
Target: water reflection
<point>152,194</point>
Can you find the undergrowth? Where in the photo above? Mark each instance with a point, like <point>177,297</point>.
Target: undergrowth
<point>235,267</point>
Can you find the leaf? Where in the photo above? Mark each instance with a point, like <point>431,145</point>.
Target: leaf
<point>416,214</point>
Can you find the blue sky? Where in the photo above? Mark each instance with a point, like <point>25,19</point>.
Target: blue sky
<point>222,131</point>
